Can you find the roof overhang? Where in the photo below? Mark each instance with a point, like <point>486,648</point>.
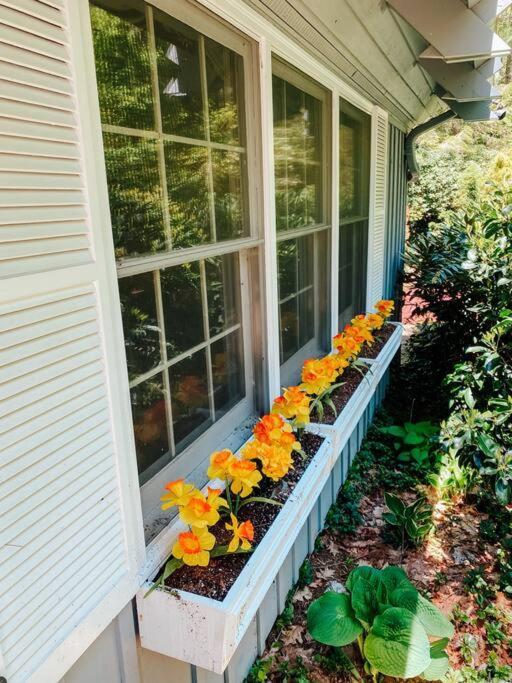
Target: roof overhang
<point>463,53</point>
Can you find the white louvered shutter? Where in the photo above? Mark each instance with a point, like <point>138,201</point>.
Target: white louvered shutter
<point>70,530</point>
<point>377,228</point>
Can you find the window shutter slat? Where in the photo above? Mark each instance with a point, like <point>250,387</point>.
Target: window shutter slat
<point>71,539</point>
<point>375,281</point>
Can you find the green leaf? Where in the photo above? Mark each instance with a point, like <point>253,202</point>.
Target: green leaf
<point>259,499</point>
<point>468,397</point>
<point>412,439</point>
<point>394,503</point>
<point>397,644</point>
<point>487,445</point>
<point>395,430</point>
<point>171,565</point>
<point>394,577</point>
<point>439,663</point>
<point>433,621</point>
<point>390,518</point>
<point>404,457</point>
<point>366,599</point>
<point>366,572</point>
<point>331,620</point>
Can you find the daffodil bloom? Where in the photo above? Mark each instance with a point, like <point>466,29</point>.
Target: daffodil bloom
<point>340,362</point>
<point>242,534</point>
<point>199,513</point>
<point>219,464</point>
<point>354,332</point>
<point>272,429</point>
<point>179,494</point>
<point>375,321</point>
<point>276,462</point>
<point>214,498</point>
<point>385,307</point>
<point>293,405</point>
<point>244,475</point>
<point>316,377</point>
<point>360,323</point>
<point>348,347</point>
<point>193,547</point>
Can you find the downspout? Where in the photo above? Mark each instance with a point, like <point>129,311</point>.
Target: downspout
<point>410,156</point>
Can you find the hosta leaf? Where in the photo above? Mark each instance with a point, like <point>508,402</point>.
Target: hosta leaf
<point>395,430</point>
<point>331,620</point>
<point>394,503</point>
<point>367,599</point>
<point>412,439</point>
<point>366,572</point>
<point>394,577</point>
<point>439,663</point>
<point>434,621</point>
<point>397,644</point>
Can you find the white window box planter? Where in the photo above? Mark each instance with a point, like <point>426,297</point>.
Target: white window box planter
<point>343,428</point>
<point>206,632</point>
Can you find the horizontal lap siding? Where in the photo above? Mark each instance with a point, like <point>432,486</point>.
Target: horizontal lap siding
<point>43,216</point>
<point>396,214</point>
<point>67,561</point>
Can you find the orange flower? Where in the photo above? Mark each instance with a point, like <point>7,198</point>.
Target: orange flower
<point>214,498</point>
<point>193,547</point>
<point>273,429</point>
<point>242,534</point>
<point>361,324</point>
<point>179,494</point>
<point>316,376</point>
<point>244,477</point>
<point>276,460</point>
<point>199,513</point>
<point>293,405</point>
<point>385,307</point>
<point>375,321</point>
<point>219,464</point>
<point>348,346</point>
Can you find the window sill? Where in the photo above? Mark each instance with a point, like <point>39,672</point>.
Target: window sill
<point>206,632</point>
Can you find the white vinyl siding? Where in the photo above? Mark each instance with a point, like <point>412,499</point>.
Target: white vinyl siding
<point>376,237</point>
<point>69,543</point>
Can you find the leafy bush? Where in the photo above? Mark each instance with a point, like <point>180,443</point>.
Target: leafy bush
<point>414,442</point>
<point>452,480</point>
<point>413,522</point>
<point>390,621</point>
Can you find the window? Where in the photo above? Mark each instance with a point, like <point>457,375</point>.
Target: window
<point>172,102</point>
<point>301,147</point>
<point>354,174</point>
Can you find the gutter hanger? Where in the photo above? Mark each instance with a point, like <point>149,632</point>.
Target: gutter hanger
<point>410,155</point>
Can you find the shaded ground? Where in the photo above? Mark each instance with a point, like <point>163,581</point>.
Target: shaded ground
<point>438,570</point>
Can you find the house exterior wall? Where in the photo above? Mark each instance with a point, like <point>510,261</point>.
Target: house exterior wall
<point>116,656</point>
<point>71,500</point>
<point>396,213</point>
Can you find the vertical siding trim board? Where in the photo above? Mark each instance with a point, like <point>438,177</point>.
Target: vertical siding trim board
<point>396,213</point>
<point>206,632</point>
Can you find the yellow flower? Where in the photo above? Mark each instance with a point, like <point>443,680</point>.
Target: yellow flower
<point>272,429</point>
<point>385,307</point>
<point>242,534</point>
<point>361,323</point>
<point>316,376</point>
<point>179,494</point>
<point>348,346</point>
<point>244,476</point>
<point>219,464</point>
<point>340,363</point>
<point>193,547</point>
<point>214,498</point>
<point>276,460</point>
<point>199,513</point>
<point>375,321</point>
<point>293,405</point>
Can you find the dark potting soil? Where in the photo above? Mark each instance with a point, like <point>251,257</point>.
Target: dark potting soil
<point>351,378</point>
<point>215,580</point>
<point>381,336</point>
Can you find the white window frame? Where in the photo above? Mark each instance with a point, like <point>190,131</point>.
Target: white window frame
<point>269,42</point>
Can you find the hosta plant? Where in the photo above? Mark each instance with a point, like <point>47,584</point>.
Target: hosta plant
<point>399,633</point>
<point>414,442</point>
<point>413,521</point>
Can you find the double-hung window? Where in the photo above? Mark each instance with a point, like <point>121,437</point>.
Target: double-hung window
<point>354,190</point>
<point>301,157</point>
<point>174,94</point>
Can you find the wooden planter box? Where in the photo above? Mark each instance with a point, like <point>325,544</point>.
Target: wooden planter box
<point>206,632</point>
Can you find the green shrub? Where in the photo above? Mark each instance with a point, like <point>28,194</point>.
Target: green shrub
<point>413,522</point>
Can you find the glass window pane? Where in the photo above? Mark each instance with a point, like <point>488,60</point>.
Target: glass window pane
<point>122,63</point>
<point>150,426</point>
<point>187,188</point>
<point>355,141</point>
<point>352,269</point>
<point>189,398</point>
<point>227,372</point>
<point>228,169</point>
<point>297,155</point>
<point>135,196</point>
<point>141,331</point>
<point>289,327</point>
<point>179,81</point>
<point>222,283</point>
<point>225,85</point>
<point>183,311</point>
<point>306,316</point>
